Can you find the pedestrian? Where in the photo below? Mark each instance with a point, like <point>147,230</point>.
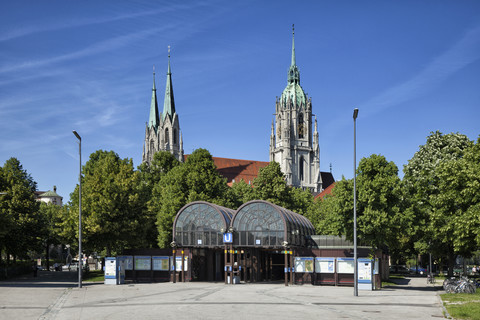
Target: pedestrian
<point>474,270</point>
<point>35,269</point>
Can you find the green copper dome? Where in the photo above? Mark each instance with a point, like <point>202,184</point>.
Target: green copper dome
<point>295,92</point>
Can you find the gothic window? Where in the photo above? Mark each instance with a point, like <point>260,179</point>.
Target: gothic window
<point>167,139</point>
<point>174,136</point>
<point>279,129</point>
<point>301,168</point>
<point>152,146</point>
<point>300,126</point>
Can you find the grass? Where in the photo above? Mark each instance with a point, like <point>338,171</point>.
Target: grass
<point>94,276</point>
<point>462,305</point>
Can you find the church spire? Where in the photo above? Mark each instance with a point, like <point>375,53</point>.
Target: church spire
<point>153,120</point>
<point>293,73</point>
<point>293,46</point>
<point>169,102</point>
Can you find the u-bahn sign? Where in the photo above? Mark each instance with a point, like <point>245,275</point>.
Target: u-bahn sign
<point>228,237</point>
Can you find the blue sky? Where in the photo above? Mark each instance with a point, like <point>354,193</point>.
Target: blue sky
<point>411,67</point>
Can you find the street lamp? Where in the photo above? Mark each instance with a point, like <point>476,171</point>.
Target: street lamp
<point>355,270</point>
<point>79,210</point>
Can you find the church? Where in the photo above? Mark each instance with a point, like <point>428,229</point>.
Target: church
<point>294,142</point>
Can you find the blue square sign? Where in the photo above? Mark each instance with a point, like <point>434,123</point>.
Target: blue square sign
<point>228,237</point>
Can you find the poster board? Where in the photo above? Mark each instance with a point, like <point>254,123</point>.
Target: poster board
<point>110,268</point>
<point>160,263</point>
<point>178,265</point>
<point>128,260</point>
<point>345,265</point>
<point>325,265</point>
<point>304,264</point>
<point>143,263</point>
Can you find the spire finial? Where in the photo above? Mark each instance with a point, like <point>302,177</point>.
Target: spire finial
<point>293,46</point>
<point>168,51</point>
<point>154,70</point>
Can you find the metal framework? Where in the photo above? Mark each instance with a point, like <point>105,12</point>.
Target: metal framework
<point>201,224</point>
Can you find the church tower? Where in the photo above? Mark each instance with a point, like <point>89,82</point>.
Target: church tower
<point>293,144</point>
<point>162,131</point>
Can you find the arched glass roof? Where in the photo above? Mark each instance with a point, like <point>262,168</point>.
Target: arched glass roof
<point>201,224</point>
<point>263,224</point>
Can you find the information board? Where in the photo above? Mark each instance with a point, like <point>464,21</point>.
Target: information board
<point>325,265</point>
<point>304,264</point>
<point>110,268</point>
<point>160,263</point>
<point>178,265</point>
<point>345,265</point>
<point>128,262</point>
<point>143,263</point>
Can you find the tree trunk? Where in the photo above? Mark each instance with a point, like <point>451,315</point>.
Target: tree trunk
<point>451,262</point>
<point>47,257</point>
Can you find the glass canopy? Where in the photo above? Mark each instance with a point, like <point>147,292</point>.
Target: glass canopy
<point>260,223</point>
<point>201,224</point>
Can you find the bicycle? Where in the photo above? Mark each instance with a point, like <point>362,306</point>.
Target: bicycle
<point>430,278</point>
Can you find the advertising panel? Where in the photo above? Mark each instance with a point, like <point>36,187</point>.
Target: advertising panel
<point>143,263</point>
<point>345,265</point>
<point>128,260</point>
<point>178,265</point>
<point>304,264</point>
<point>160,263</point>
<point>325,265</point>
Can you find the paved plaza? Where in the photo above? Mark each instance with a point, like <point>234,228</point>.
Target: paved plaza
<point>55,295</point>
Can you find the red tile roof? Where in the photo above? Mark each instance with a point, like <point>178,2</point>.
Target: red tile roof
<point>327,190</point>
<point>236,169</point>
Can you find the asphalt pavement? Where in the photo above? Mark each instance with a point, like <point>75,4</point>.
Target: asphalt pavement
<point>55,295</point>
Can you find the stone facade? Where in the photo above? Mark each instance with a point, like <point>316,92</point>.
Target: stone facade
<point>293,143</point>
<point>162,132</point>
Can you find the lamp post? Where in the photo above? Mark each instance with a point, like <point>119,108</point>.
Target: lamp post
<point>79,210</point>
<point>355,258</point>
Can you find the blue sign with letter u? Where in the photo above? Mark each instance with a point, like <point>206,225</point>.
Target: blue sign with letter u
<point>227,237</point>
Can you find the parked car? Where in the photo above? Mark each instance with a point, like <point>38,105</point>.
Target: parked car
<point>419,270</point>
<point>399,269</point>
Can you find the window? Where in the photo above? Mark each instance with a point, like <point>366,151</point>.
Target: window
<point>301,168</point>
<point>167,139</point>
<point>301,127</point>
<point>174,136</point>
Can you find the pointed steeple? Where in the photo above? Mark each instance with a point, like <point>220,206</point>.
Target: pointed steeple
<point>154,119</point>
<point>293,47</point>
<point>169,102</point>
<point>293,72</point>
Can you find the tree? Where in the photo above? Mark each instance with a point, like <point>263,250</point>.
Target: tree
<point>111,204</point>
<point>380,221</point>
<point>328,214</point>
<point>240,193</point>
<point>432,181</point>
<point>21,224</point>
<point>150,175</point>
<point>51,216</point>
<point>195,180</point>
<point>270,185</point>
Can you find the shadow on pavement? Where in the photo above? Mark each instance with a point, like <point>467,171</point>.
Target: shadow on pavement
<point>44,279</point>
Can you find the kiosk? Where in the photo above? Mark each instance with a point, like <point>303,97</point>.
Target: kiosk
<point>114,270</point>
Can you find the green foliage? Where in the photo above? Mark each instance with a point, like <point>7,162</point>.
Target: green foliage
<point>111,204</point>
<point>240,193</point>
<point>195,180</point>
<point>441,182</point>
<point>21,226</point>
<point>379,218</point>
<point>270,185</point>
<point>150,175</point>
